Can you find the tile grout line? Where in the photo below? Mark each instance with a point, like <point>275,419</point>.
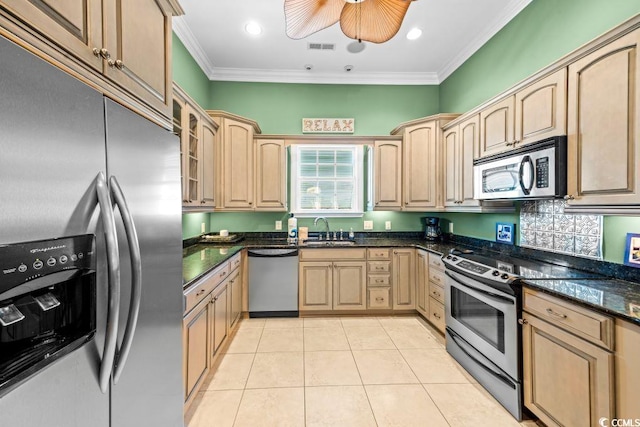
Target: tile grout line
<point>235,418</point>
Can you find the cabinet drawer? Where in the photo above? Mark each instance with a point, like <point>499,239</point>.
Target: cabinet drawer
<point>374,254</point>
<point>436,261</point>
<point>588,324</point>
<point>378,279</point>
<point>436,314</point>
<point>437,277</point>
<point>330,254</point>
<point>379,298</point>
<point>235,262</point>
<point>436,292</point>
<point>200,290</point>
<point>379,266</point>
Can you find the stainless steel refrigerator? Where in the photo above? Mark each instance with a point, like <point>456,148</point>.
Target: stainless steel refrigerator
<point>60,143</point>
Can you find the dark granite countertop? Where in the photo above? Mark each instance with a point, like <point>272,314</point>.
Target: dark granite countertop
<point>615,297</point>
<point>618,298</point>
<point>199,259</point>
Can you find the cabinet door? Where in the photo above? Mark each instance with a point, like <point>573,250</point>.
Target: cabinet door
<point>271,174</point>
<point>403,279</point>
<point>420,166</point>
<point>627,369</point>
<point>541,109</point>
<point>496,127</point>
<point>220,317</point>
<point>179,113</point>
<point>237,146</point>
<point>316,286</point>
<point>192,154</point>
<point>208,165</point>
<point>235,300</point>
<point>451,167</point>
<point>387,175</point>
<point>349,285</point>
<point>468,141</point>
<point>604,125</point>
<point>76,26</point>
<point>567,381</point>
<point>195,333</point>
<point>422,281</point>
<point>139,41</point>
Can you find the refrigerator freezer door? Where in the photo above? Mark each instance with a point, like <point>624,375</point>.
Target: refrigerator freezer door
<point>51,150</point>
<point>145,159</point>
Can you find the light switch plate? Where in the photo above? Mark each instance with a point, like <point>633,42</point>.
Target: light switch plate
<point>451,227</point>
<point>202,227</point>
<point>278,225</point>
<point>387,225</point>
<point>368,225</point>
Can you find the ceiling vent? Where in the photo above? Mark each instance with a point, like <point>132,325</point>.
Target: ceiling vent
<point>321,46</point>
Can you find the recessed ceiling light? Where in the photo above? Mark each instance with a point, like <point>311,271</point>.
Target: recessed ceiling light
<point>414,33</point>
<point>253,28</point>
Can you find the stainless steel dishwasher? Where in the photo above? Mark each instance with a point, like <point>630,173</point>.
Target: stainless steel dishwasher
<point>273,282</point>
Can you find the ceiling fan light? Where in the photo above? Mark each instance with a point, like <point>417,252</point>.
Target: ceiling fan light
<point>253,28</point>
<point>354,1</point>
<point>414,33</point>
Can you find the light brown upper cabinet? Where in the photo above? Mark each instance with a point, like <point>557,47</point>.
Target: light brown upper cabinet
<point>604,127</point>
<point>388,174</point>
<point>196,131</point>
<point>460,148</point>
<point>496,127</point>
<point>408,173</point>
<point>120,47</point>
<point>541,109</point>
<point>271,171</point>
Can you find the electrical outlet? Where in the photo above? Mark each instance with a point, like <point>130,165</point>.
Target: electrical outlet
<point>451,227</point>
<point>368,225</point>
<point>278,225</point>
<point>202,227</point>
<point>387,225</point>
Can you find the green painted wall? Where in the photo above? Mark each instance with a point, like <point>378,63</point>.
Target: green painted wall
<point>280,107</point>
<point>188,74</point>
<point>542,33</point>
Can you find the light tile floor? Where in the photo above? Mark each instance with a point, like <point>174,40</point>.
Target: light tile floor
<point>349,371</point>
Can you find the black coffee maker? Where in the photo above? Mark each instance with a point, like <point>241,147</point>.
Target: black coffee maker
<point>432,230</point>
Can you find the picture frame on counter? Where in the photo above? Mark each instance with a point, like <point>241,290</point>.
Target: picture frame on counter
<point>505,233</point>
<point>632,250</point>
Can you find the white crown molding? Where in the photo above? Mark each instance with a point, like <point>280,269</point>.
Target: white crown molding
<point>510,12</point>
<point>190,42</point>
<point>314,77</point>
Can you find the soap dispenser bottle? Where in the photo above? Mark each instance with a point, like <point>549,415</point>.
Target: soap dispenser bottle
<point>292,230</point>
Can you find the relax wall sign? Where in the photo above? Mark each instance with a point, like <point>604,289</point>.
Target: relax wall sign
<point>328,125</point>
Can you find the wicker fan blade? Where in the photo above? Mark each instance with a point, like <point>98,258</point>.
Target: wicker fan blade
<point>377,20</point>
<point>305,17</point>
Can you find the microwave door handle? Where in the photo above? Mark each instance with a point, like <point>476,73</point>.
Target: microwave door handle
<point>526,160</point>
<point>113,267</point>
<point>136,278</point>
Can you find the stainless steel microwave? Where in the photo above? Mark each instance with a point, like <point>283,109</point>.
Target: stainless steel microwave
<point>535,171</point>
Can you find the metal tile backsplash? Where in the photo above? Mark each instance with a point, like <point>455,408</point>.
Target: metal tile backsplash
<point>544,225</point>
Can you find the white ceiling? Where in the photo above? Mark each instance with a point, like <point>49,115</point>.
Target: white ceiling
<point>213,32</point>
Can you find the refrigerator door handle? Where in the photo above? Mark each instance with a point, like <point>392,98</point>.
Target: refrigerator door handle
<point>136,277</point>
<point>113,266</point>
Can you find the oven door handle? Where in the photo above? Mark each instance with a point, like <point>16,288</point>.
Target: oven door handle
<point>482,291</point>
<point>499,375</point>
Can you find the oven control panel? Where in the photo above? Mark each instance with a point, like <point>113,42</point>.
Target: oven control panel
<point>477,269</point>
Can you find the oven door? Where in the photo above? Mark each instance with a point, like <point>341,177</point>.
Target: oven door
<point>485,318</point>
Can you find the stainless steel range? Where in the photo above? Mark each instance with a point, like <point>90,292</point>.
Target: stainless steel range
<point>482,305</point>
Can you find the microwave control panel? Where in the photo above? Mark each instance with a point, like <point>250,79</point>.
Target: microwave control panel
<point>542,172</point>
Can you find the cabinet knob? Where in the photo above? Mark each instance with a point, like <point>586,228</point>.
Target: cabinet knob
<point>436,315</point>
<point>569,197</point>
<point>379,299</point>
<point>202,202</point>
<point>119,64</point>
<point>200,292</point>
<point>102,53</point>
<point>523,321</point>
<point>250,203</point>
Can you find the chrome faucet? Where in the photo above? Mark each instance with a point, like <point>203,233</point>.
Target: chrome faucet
<point>326,224</point>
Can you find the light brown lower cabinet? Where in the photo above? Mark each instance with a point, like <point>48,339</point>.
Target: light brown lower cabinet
<point>235,300</point>
<point>568,381</point>
<point>218,317</point>
<point>333,285</point>
<point>403,279</point>
<point>627,370</point>
<point>195,336</point>
<point>422,282</point>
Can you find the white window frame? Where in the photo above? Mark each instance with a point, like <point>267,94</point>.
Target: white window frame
<point>358,167</point>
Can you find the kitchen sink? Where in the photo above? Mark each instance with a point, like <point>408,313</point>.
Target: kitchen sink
<point>328,243</point>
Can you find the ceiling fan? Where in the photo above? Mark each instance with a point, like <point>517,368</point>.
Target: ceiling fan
<point>375,21</point>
